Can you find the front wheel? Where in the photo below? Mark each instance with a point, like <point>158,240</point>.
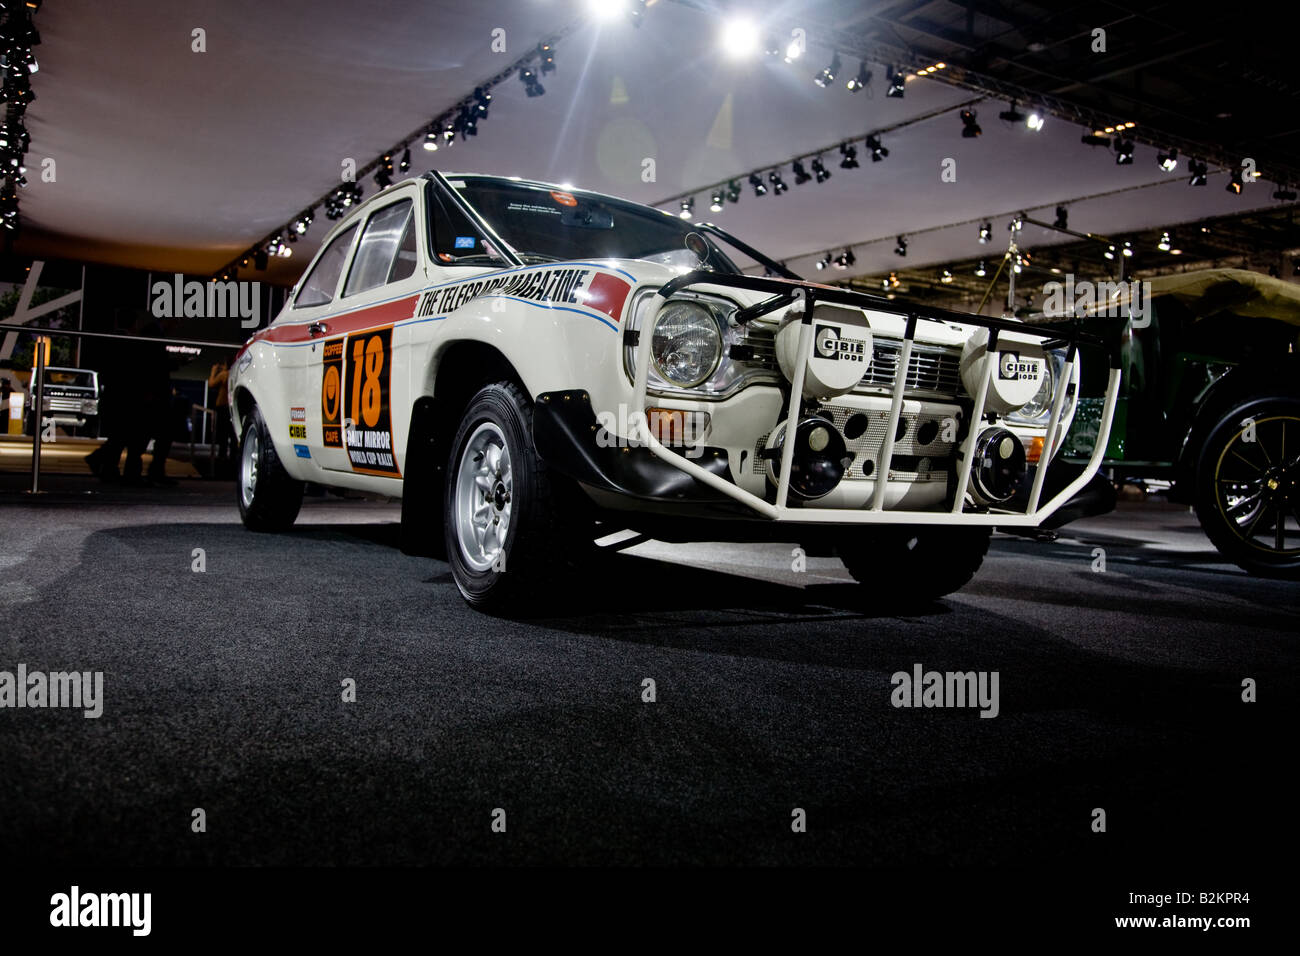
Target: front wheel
<point>1248,486</point>
<point>269,499</point>
<point>504,536</point>
<point>914,564</point>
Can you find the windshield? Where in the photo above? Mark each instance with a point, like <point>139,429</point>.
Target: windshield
<point>543,224</point>
<point>67,376</point>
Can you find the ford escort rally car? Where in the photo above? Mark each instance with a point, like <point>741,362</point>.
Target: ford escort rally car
<point>531,368</point>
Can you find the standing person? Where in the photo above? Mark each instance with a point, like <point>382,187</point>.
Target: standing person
<point>119,406</point>
<point>153,374</point>
<point>224,438</point>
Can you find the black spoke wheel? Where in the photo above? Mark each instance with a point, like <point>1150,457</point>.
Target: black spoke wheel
<point>1248,486</point>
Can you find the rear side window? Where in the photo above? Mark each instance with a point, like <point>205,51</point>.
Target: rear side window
<point>377,260</point>
<point>318,288</point>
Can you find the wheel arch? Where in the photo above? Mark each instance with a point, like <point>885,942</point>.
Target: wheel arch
<point>1239,387</point>
<point>458,371</point>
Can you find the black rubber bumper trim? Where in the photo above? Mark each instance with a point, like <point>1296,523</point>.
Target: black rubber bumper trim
<point>564,433</point>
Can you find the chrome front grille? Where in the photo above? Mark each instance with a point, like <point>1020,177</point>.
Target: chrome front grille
<point>933,369</point>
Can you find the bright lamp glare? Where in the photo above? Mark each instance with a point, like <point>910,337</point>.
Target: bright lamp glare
<point>605,9</point>
<point>740,37</point>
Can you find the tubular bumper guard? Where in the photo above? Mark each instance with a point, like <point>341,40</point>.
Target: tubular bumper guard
<point>784,293</point>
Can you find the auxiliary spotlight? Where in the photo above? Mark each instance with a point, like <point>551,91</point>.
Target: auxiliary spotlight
<point>850,154</point>
<point>900,249</point>
<point>878,152</point>
<point>969,128</point>
<point>986,231</point>
<point>896,80</point>
<point>800,173</point>
<point>733,191</point>
<point>827,76</point>
<point>1062,218</point>
<point>860,81</point>
<point>820,172</point>
<point>1284,194</point>
<point>757,183</point>
<point>1168,161</point>
<point>715,204</point>
<point>778,184</point>
<point>1199,171</point>
<point>688,207</point>
<point>1123,152</point>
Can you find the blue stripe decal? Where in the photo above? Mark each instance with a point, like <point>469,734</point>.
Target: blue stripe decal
<point>557,308</point>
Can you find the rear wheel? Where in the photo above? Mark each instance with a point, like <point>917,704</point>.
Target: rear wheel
<point>915,564</point>
<point>269,499</point>
<point>1248,486</point>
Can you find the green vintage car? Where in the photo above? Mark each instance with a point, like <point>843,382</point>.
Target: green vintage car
<point>1210,401</point>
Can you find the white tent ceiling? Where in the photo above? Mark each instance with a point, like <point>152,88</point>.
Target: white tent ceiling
<point>175,160</point>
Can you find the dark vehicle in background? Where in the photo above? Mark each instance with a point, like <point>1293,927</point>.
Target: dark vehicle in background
<point>71,399</point>
<point>1210,402</point>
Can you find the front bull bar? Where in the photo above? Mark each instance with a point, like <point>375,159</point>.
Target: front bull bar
<point>785,293</point>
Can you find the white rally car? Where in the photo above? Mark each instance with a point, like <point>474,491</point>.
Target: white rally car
<point>532,368</point>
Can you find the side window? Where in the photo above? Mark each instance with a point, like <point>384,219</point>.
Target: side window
<point>377,253</point>
<point>404,263</point>
<point>318,288</point>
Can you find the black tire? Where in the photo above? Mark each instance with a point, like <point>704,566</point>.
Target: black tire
<point>494,574</point>
<point>914,564</point>
<point>1247,493</point>
<point>269,499</point>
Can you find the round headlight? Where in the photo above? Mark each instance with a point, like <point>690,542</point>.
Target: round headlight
<point>686,345</point>
<point>1041,403</point>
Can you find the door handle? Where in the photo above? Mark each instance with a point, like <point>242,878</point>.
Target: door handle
<point>317,328</point>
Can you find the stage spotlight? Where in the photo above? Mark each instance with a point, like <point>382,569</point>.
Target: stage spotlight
<point>715,204</point>
<point>1199,171</point>
<point>1167,161</point>
<point>1234,182</point>
<point>1165,243</point>
<point>1011,114</point>
<point>1034,122</point>
<point>757,183</point>
<point>820,172</point>
<point>800,173</point>
<point>896,83</point>
<point>1062,218</point>
<point>850,154</point>
<point>688,207</point>
<point>900,247</point>
<point>824,261</point>
<point>878,152</point>
<point>1123,152</point>
<point>969,128</point>
<point>981,269</point>
<point>740,37</point>
<point>986,231</point>
<point>827,76</point>
<point>1284,194</point>
<point>860,81</point>
<point>733,191</point>
<point>778,184</point>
